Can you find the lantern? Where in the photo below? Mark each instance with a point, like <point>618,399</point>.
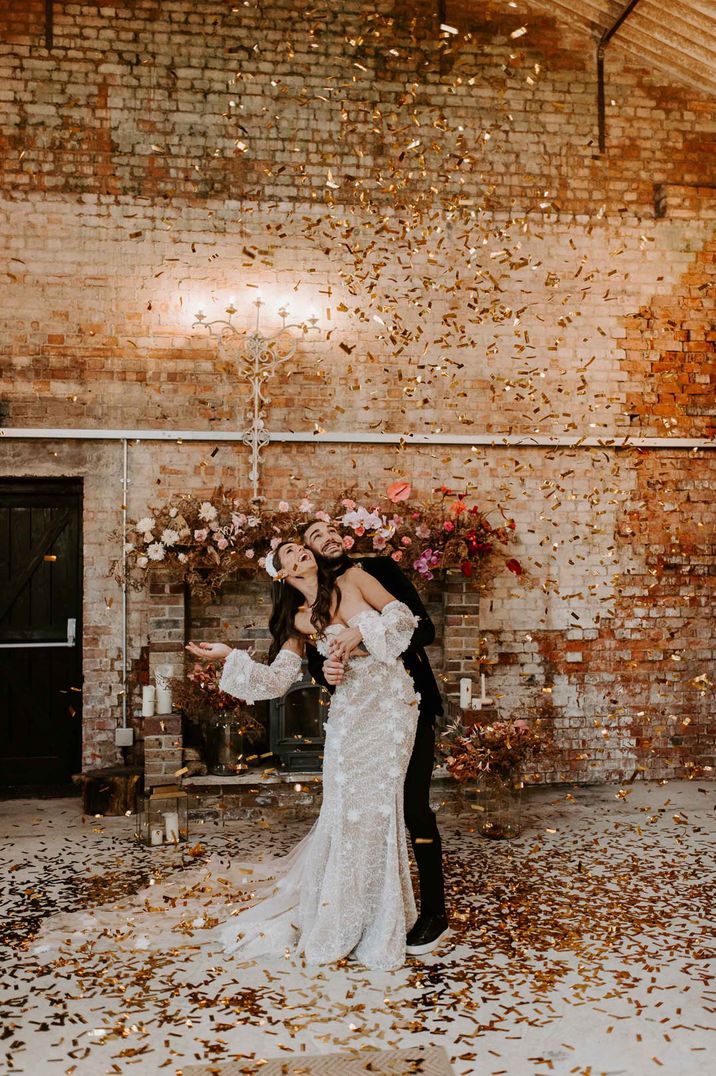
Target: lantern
<point>163,816</point>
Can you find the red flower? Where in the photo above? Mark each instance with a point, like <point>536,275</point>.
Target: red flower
<point>466,567</point>
<point>458,508</point>
<point>448,526</point>
<point>514,566</point>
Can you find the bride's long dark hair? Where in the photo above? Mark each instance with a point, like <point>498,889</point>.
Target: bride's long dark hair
<point>287,600</point>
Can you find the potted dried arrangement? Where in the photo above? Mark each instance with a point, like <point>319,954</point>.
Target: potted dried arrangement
<point>226,725</point>
<point>487,760</point>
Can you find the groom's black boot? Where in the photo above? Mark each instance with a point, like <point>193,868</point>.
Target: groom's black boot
<point>426,935</point>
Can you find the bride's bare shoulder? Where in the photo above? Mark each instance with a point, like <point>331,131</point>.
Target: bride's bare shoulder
<point>350,579</point>
<point>353,573</point>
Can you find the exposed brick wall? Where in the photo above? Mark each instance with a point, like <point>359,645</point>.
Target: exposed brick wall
<point>198,99</point>
<point>513,284</point>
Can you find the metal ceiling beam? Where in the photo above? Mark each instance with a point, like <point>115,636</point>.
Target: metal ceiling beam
<point>601,49</point>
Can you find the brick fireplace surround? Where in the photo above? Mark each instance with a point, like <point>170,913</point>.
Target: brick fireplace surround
<point>172,615</point>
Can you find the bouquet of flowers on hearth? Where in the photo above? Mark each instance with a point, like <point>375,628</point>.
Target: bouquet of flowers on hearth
<point>500,748</point>
<point>209,540</point>
<point>199,697</point>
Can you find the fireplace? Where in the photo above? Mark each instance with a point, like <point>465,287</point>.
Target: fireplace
<point>296,725</point>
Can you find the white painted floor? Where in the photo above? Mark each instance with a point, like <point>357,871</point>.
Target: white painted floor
<point>583,947</point>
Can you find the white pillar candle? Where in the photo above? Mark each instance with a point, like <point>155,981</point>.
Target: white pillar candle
<point>483,696</point>
<point>148,700</point>
<point>156,835</point>
<point>465,692</point>
<point>164,700</point>
<point>171,825</point>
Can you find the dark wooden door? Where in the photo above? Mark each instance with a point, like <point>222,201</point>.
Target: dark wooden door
<point>40,612</point>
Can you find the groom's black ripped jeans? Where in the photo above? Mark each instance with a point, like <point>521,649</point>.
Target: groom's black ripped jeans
<point>421,824</point>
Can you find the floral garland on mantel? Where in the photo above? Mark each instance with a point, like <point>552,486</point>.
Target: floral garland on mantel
<point>208,541</point>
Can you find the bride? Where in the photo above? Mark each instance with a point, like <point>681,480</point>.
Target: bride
<point>345,889</point>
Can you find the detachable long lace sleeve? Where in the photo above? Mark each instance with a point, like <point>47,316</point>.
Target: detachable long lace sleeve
<point>251,680</point>
<point>386,635</point>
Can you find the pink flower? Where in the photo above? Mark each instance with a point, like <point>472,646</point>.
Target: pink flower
<point>359,531</point>
<point>200,536</point>
<point>399,491</point>
<point>521,725</point>
<point>323,516</point>
<point>349,504</point>
<point>378,542</point>
<point>284,506</point>
<point>222,542</point>
<point>348,542</point>
<point>406,541</point>
<point>398,555</point>
<point>249,553</point>
<point>422,531</point>
<point>275,542</point>
<point>448,526</point>
<point>305,505</point>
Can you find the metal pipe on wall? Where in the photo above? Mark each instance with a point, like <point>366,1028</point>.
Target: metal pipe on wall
<point>490,440</point>
<point>125,486</point>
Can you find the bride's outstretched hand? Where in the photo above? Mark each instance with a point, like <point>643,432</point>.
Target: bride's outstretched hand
<point>209,651</point>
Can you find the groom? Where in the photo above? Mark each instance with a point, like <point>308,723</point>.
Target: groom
<point>326,543</point>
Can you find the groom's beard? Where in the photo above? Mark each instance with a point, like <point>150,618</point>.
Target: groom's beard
<point>335,565</point>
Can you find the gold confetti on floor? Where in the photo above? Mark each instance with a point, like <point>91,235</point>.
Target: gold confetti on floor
<point>580,947</point>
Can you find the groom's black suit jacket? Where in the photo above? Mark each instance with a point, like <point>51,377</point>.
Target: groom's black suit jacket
<point>415,660</point>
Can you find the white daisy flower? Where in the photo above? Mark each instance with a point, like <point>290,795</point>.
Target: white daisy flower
<point>156,551</point>
<point>146,524</point>
<point>170,537</point>
<point>207,512</point>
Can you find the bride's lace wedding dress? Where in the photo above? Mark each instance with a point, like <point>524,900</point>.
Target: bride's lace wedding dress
<point>345,889</point>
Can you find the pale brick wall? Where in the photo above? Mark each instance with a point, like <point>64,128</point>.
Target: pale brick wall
<point>126,204</point>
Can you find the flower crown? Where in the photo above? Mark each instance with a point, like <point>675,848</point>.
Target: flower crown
<point>271,568</point>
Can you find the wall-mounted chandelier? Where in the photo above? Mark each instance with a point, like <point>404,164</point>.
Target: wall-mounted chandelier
<point>257,359</point>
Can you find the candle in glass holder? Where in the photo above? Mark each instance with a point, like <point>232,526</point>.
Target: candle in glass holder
<point>156,835</point>
<point>148,694</point>
<point>483,695</point>
<point>465,692</point>
<point>171,825</point>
